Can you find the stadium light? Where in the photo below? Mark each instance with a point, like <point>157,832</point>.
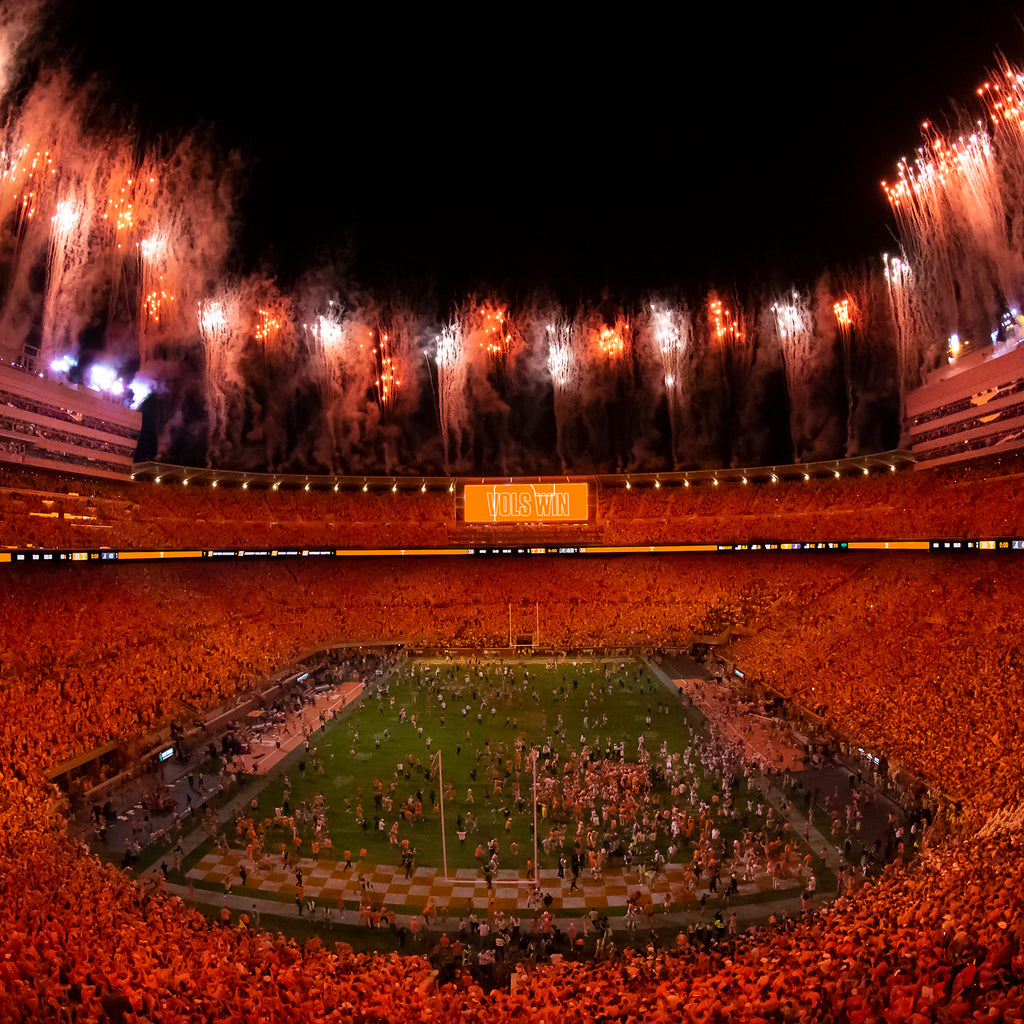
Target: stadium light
<point>835,473</point>
<point>245,485</point>
<point>423,489</point>
<point>394,487</point>
<point>306,488</point>
<point>158,479</point>
<point>214,484</point>
<point>277,483</point>
<point>744,479</point>
<point>629,486</point>
<point>657,483</point>
<point>335,488</point>
<point>365,486</point>
<point>714,480</point>
<point>806,476</point>
<point>184,483</point>
<point>686,481</point>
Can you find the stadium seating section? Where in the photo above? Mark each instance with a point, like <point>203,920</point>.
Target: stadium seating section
<point>39,509</point>
<point>919,656</point>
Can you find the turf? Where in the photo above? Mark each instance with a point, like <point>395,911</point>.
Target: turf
<point>472,715</point>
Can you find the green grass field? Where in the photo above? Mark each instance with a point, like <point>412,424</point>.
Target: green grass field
<point>476,716</point>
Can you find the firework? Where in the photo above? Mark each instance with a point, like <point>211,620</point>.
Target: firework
<point>216,328</point>
<point>794,327</point>
<point>671,335</point>
<point>960,208</point>
<point>386,383</point>
<point>67,233</point>
<point>395,359</point>
<point>859,311</point>
<point>101,233</point>
<point>907,319</point>
<point>732,336</point>
<point>449,357</point>
<point>611,341</point>
<point>27,177</point>
<point>156,292</point>
<point>329,348</point>
<point>329,341</point>
<point>493,334</point>
<point>846,314</point>
<point>179,212</point>
<point>119,217</point>
<point>270,324</point>
<point>220,332</point>
<point>562,363</point>
<point>726,329</point>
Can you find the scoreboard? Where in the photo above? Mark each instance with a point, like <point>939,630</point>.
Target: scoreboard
<point>526,503</point>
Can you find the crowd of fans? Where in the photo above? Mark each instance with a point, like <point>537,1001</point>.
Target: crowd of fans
<point>43,509</point>
<point>942,941</point>
<point>918,657</point>
<point>920,662</point>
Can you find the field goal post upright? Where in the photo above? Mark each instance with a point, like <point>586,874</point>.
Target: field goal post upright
<point>440,789</point>
<point>536,866</point>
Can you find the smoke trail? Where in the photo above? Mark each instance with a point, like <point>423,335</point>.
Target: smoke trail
<point>363,358</point>
<point>329,334</point>
<point>606,347</point>
<point>492,344</point>
<point>221,332</point>
<point>38,141</point>
<point>914,340</point>
<point>189,221</point>
<point>357,374</point>
<point>729,357</point>
<point>794,328</point>
<point>565,369</point>
<point>20,21</point>
<point>66,238</point>
<point>396,384</point>
<point>670,331</point>
<point>861,309</point>
<point>451,384</point>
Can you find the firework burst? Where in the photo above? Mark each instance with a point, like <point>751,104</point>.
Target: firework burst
<point>671,335</point>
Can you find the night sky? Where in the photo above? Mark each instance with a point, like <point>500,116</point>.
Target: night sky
<point>618,153</point>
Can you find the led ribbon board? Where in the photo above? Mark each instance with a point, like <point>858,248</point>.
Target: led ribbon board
<point>525,503</point>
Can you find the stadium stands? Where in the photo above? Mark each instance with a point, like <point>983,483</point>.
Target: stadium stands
<point>43,509</point>
<point>919,657</point>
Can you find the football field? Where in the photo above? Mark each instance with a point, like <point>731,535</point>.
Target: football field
<point>616,751</point>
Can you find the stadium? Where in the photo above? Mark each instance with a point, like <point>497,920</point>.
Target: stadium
<point>533,654</point>
<point>871,640</point>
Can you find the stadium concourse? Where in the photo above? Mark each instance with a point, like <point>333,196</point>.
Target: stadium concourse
<point>915,657</point>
